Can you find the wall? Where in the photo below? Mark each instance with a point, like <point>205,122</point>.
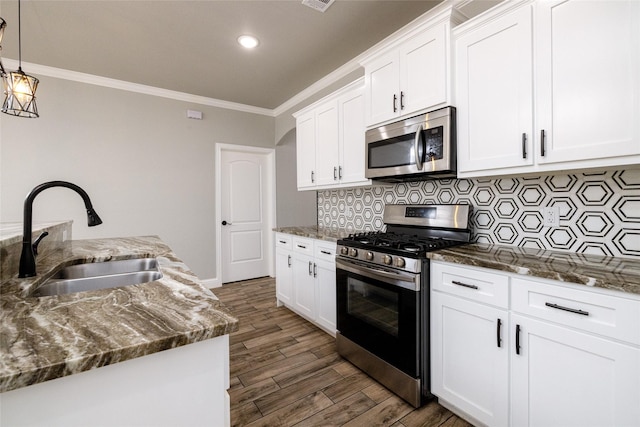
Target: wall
<point>599,211</point>
<point>147,168</point>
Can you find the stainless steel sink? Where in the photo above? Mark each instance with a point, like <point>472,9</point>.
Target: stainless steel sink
<point>100,275</point>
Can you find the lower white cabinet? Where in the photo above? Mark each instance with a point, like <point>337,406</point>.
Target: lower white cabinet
<point>563,377</point>
<point>556,355</point>
<point>284,269</point>
<point>306,278</point>
<point>470,342</point>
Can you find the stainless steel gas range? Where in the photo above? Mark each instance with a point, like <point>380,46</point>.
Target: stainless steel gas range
<point>382,281</point>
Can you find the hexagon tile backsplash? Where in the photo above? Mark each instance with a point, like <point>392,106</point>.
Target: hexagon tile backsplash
<point>599,211</point>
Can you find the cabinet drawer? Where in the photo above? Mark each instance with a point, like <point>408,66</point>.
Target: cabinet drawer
<point>325,251</point>
<point>283,241</point>
<point>593,312</point>
<point>476,284</point>
<point>303,245</point>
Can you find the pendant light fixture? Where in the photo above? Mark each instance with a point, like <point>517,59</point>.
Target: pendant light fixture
<point>19,88</point>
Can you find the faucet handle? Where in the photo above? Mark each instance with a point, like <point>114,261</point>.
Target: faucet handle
<point>37,242</point>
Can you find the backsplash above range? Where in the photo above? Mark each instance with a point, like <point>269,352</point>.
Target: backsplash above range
<point>599,212</point>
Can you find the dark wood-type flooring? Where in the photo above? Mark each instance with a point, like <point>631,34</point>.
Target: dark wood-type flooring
<point>286,372</point>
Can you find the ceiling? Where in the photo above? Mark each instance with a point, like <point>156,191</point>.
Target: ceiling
<point>190,46</point>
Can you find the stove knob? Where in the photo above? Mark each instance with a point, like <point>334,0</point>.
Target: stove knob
<point>400,262</point>
<point>344,250</point>
<point>369,256</point>
<point>387,259</point>
<point>353,252</point>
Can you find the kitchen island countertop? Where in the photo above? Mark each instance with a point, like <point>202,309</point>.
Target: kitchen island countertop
<point>613,273</point>
<point>56,336</point>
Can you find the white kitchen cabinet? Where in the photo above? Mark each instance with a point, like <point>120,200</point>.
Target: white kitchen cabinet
<point>548,85</point>
<point>494,94</point>
<point>470,342</point>
<point>410,77</point>
<point>306,278</point>
<point>304,284</point>
<point>305,150</point>
<point>330,141</point>
<point>569,355</point>
<point>325,271</point>
<point>562,377</point>
<point>284,269</point>
<point>576,360</point>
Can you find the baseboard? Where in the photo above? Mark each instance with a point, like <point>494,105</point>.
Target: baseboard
<point>212,283</point>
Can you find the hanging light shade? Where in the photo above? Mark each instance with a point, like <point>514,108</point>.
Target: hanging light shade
<point>19,88</point>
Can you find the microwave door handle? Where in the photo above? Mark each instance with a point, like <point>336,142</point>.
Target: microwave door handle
<point>416,147</point>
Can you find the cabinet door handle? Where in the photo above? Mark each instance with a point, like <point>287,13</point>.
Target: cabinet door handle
<point>542,152</point>
<point>572,310</point>
<point>401,100</point>
<point>517,339</point>
<point>335,173</point>
<point>498,328</point>
<point>524,145</point>
<point>325,252</point>
<point>289,261</point>
<point>455,282</point>
<point>395,102</point>
<point>340,172</point>
<point>313,177</point>
<point>310,268</point>
<point>315,270</point>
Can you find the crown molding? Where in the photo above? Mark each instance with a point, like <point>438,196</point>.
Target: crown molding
<point>75,76</point>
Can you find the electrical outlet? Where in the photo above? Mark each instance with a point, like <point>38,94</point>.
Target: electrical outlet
<point>551,216</point>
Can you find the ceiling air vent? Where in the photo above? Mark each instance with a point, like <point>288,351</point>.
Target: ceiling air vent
<point>319,5</point>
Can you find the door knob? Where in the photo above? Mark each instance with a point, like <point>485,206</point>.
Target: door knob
<point>226,223</point>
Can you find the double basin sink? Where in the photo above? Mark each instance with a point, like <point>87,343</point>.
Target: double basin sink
<point>100,275</point>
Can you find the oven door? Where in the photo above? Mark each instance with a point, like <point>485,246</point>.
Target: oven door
<point>379,309</point>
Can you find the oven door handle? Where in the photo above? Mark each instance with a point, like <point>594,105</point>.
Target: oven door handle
<point>410,281</point>
<point>416,147</point>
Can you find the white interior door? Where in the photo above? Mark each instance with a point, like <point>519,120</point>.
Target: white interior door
<point>246,193</point>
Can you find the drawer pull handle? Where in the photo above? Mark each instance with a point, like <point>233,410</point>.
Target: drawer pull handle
<point>498,339</point>
<point>517,339</point>
<point>301,246</point>
<point>325,252</point>
<point>283,241</point>
<point>455,282</point>
<point>572,310</point>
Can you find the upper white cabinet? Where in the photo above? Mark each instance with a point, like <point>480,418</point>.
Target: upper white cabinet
<point>548,85</point>
<point>411,74</point>
<point>330,141</point>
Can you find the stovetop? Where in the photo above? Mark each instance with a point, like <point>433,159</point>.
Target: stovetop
<point>411,232</point>
<point>394,243</point>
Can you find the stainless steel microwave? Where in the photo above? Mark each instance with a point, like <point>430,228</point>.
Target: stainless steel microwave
<point>417,148</point>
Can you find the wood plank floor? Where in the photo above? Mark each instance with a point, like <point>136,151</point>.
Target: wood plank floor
<point>286,372</point>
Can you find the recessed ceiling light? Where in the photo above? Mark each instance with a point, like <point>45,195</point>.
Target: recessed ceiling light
<point>248,41</point>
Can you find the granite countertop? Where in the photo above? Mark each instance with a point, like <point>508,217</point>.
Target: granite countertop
<point>55,336</point>
<point>613,273</point>
<point>315,232</point>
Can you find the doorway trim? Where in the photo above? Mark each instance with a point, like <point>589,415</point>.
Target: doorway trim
<point>270,198</point>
